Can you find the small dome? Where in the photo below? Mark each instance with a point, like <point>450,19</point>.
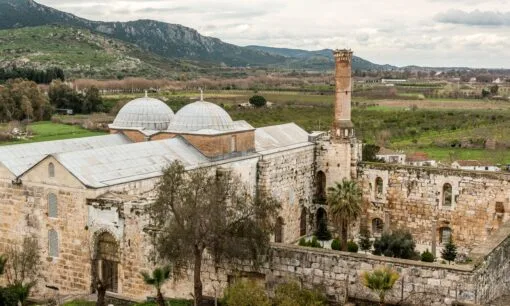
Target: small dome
<point>201,115</point>
<point>147,113</point>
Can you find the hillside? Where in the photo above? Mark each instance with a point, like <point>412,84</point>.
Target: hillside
<point>82,53</point>
<point>320,59</point>
<point>167,40</point>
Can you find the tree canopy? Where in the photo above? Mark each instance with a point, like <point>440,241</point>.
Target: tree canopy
<point>63,96</point>
<point>258,101</point>
<point>20,100</point>
<point>209,210</point>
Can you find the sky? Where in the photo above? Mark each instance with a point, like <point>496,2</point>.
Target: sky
<point>446,33</point>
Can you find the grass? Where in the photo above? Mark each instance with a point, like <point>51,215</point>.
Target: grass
<point>46,131</point>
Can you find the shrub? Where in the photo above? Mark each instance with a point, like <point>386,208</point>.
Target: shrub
<point>8,297</point>
<point>352,247</point>
<point>427,256</point>
<point>399,244</point>
<point>314,243</point>
<point>449,252</point>
<point>291,294</point>
<point>336,245</point>
<point>303,242</point>
<point>258,101</point>
<point>245,293</point>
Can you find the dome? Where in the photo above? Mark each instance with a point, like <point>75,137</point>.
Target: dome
<point>146,113</point>
<point>201,115</point>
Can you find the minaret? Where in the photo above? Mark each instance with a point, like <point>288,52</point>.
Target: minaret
<point>342,125</point>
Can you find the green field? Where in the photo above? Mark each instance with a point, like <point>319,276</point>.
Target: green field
<point>46,131</point>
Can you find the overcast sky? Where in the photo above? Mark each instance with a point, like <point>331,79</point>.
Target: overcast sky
<point>472,33</point>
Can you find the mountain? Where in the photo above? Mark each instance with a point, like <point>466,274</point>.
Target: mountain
<point>169,40</point>
<point>83,53</point>
<point>317,59</point>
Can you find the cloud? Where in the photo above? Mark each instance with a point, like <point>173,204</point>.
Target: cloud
<point>475,18</point>
<point>425,32</point>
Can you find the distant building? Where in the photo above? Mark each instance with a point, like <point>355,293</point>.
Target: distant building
<point>420,159</point>
<point>391,157</point>
<point>474,165</point>
<point>393,81</point>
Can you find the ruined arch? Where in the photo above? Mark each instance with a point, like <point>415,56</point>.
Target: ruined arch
<point>106,259</point>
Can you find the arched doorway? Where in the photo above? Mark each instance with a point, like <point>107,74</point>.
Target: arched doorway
<point>278,233</point>
<point>320,192</point>
<point>302,223</point>
<point>106,261</point>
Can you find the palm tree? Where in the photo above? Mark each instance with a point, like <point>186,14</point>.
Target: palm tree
<point>380,281</point>
<point>344,201</point>
<point>158,278</point>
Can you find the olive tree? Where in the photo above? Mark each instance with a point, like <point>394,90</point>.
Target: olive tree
<point>199,210</point>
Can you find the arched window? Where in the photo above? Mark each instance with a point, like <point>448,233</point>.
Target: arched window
<point>445,234</point>
<point>447,195</point>
<point>51,170</point>
<point>233,143</point>
<point>52,206</point>
<point>377,226</point>
<point>278,234</point>
<point>53,243</point>
<point>378,187</point>
<point>320,192</point>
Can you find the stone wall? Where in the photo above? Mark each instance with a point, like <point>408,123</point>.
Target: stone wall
<point>413,198</point>
<point>288,177</point>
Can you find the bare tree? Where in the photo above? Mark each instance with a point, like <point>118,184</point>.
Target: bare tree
<point>199,210</point>
<point>21,268</point>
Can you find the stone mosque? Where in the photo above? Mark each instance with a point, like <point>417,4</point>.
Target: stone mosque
<point>84,197</point>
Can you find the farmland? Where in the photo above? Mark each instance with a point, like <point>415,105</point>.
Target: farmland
<point>445,128</point>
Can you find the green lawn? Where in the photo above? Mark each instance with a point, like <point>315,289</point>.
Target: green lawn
<point>449,155</point>
<point>46,131</point>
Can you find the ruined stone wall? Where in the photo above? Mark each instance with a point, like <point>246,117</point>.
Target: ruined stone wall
<point>413,198</point>
<point>288,176</point>
<point>492,259</point>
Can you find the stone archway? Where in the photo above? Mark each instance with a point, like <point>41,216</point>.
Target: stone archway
<point>106,261</point>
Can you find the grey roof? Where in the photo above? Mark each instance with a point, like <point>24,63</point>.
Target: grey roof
<point>144,113</point>
<point>20,158</point>
<point>199,116</point>
<point>126,163</point>
<point>277,137</point>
